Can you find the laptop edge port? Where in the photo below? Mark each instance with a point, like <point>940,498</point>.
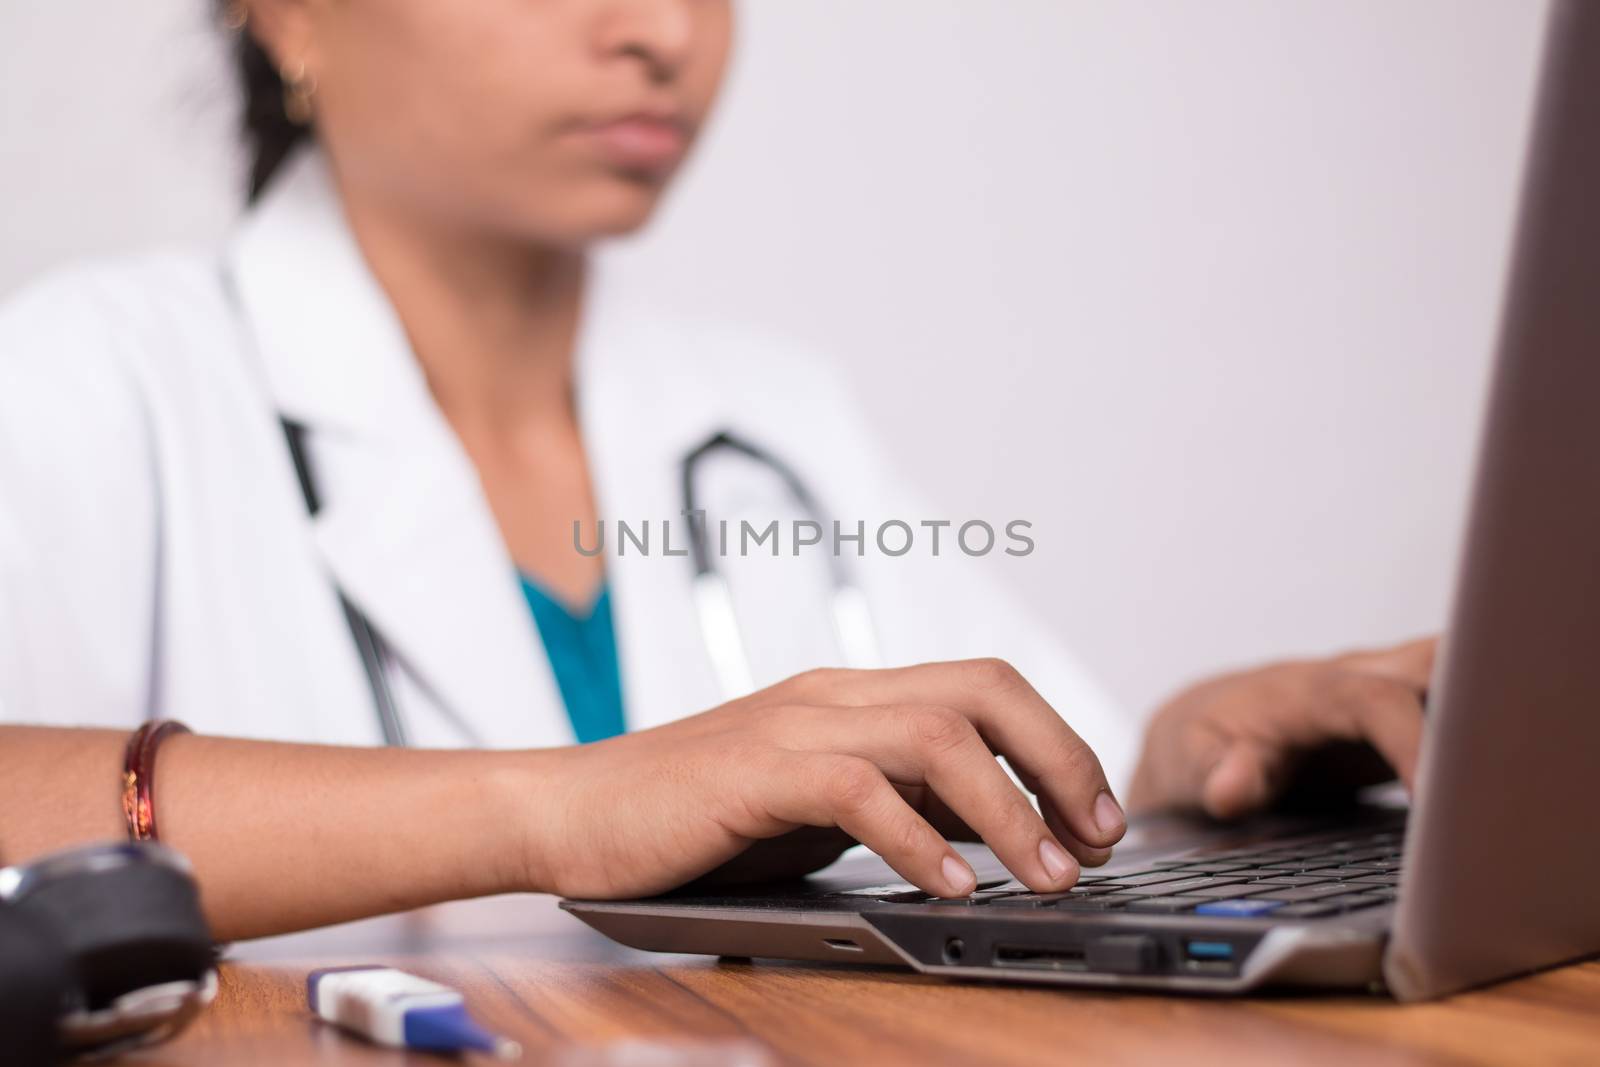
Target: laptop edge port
<point>1209,955</point>
<point>1044,959</point>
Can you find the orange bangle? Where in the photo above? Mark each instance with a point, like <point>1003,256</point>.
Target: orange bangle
<point>138,777</point>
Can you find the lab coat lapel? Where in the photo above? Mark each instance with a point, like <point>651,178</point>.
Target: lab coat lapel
<point>412,544</point>
<point>404,529</point>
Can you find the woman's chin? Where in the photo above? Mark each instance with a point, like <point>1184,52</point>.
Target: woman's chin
<point>616,209</point>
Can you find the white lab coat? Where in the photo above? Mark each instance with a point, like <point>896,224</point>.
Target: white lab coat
<point>156,557</point>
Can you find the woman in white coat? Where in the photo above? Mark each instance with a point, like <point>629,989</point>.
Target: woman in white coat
<point>335,484</point>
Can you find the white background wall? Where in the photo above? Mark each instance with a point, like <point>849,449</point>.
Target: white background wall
<point>1204,290</point>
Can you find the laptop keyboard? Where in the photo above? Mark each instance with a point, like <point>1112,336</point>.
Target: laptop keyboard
<point>1308,879</point>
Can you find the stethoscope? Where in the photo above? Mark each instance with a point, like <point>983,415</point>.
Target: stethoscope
<point>713,600</point>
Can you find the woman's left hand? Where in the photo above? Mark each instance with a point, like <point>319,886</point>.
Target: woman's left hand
<point>1231,746</point>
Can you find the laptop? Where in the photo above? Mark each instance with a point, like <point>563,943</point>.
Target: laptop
<point>1495,868</point>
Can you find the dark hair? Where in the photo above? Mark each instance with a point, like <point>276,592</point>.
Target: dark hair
<point>269,136</point>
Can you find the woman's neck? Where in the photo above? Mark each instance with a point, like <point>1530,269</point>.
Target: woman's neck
<point>492,322</point>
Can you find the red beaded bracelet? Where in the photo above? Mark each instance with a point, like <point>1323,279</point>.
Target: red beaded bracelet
<point>138,777</point>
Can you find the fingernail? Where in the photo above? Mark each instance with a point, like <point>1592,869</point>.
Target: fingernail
<point>1057,864</point>
<point>1108,815</point>
<point>958,876</point>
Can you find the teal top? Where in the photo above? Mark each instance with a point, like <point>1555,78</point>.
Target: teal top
<point>583,657</point>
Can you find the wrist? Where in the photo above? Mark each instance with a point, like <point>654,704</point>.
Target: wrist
<point>528,804</point>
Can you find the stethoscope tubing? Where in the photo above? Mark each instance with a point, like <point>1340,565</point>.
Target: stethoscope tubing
<point>713,599</point>
<point>719,622</point>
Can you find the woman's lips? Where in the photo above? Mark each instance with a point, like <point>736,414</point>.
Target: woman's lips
<point>646,143</point>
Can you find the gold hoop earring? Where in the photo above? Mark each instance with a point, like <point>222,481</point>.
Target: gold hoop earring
<point>298,89</point>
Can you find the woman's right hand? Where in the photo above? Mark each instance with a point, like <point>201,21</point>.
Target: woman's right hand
<point>897,759</point>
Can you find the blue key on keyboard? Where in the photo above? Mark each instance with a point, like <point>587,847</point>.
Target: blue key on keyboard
<point>1238,909</point>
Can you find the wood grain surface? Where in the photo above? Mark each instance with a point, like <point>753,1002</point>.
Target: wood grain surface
<point>573,998</point>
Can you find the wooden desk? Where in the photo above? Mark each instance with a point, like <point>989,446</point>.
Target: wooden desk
<point>540,976</point>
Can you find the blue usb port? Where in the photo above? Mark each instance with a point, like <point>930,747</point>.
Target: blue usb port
<point>1208,951</point>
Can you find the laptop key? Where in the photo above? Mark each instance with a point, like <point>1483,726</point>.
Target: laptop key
<point>1027,900</point>
<point>1189,885</point>
<point>1217,892</point>
<point>1356,901</point>
<point>980,896</point>
<point>1073,902</point>
<point>1290,880</point>
<point>1364,855</point>
<point>972,900</point>
<point>1098,888</point>
<point>1299,894</point>
<point>1314,910</point>
<point>1238,909</point>
<point>1129,881</point>
<point>1161,905</point>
